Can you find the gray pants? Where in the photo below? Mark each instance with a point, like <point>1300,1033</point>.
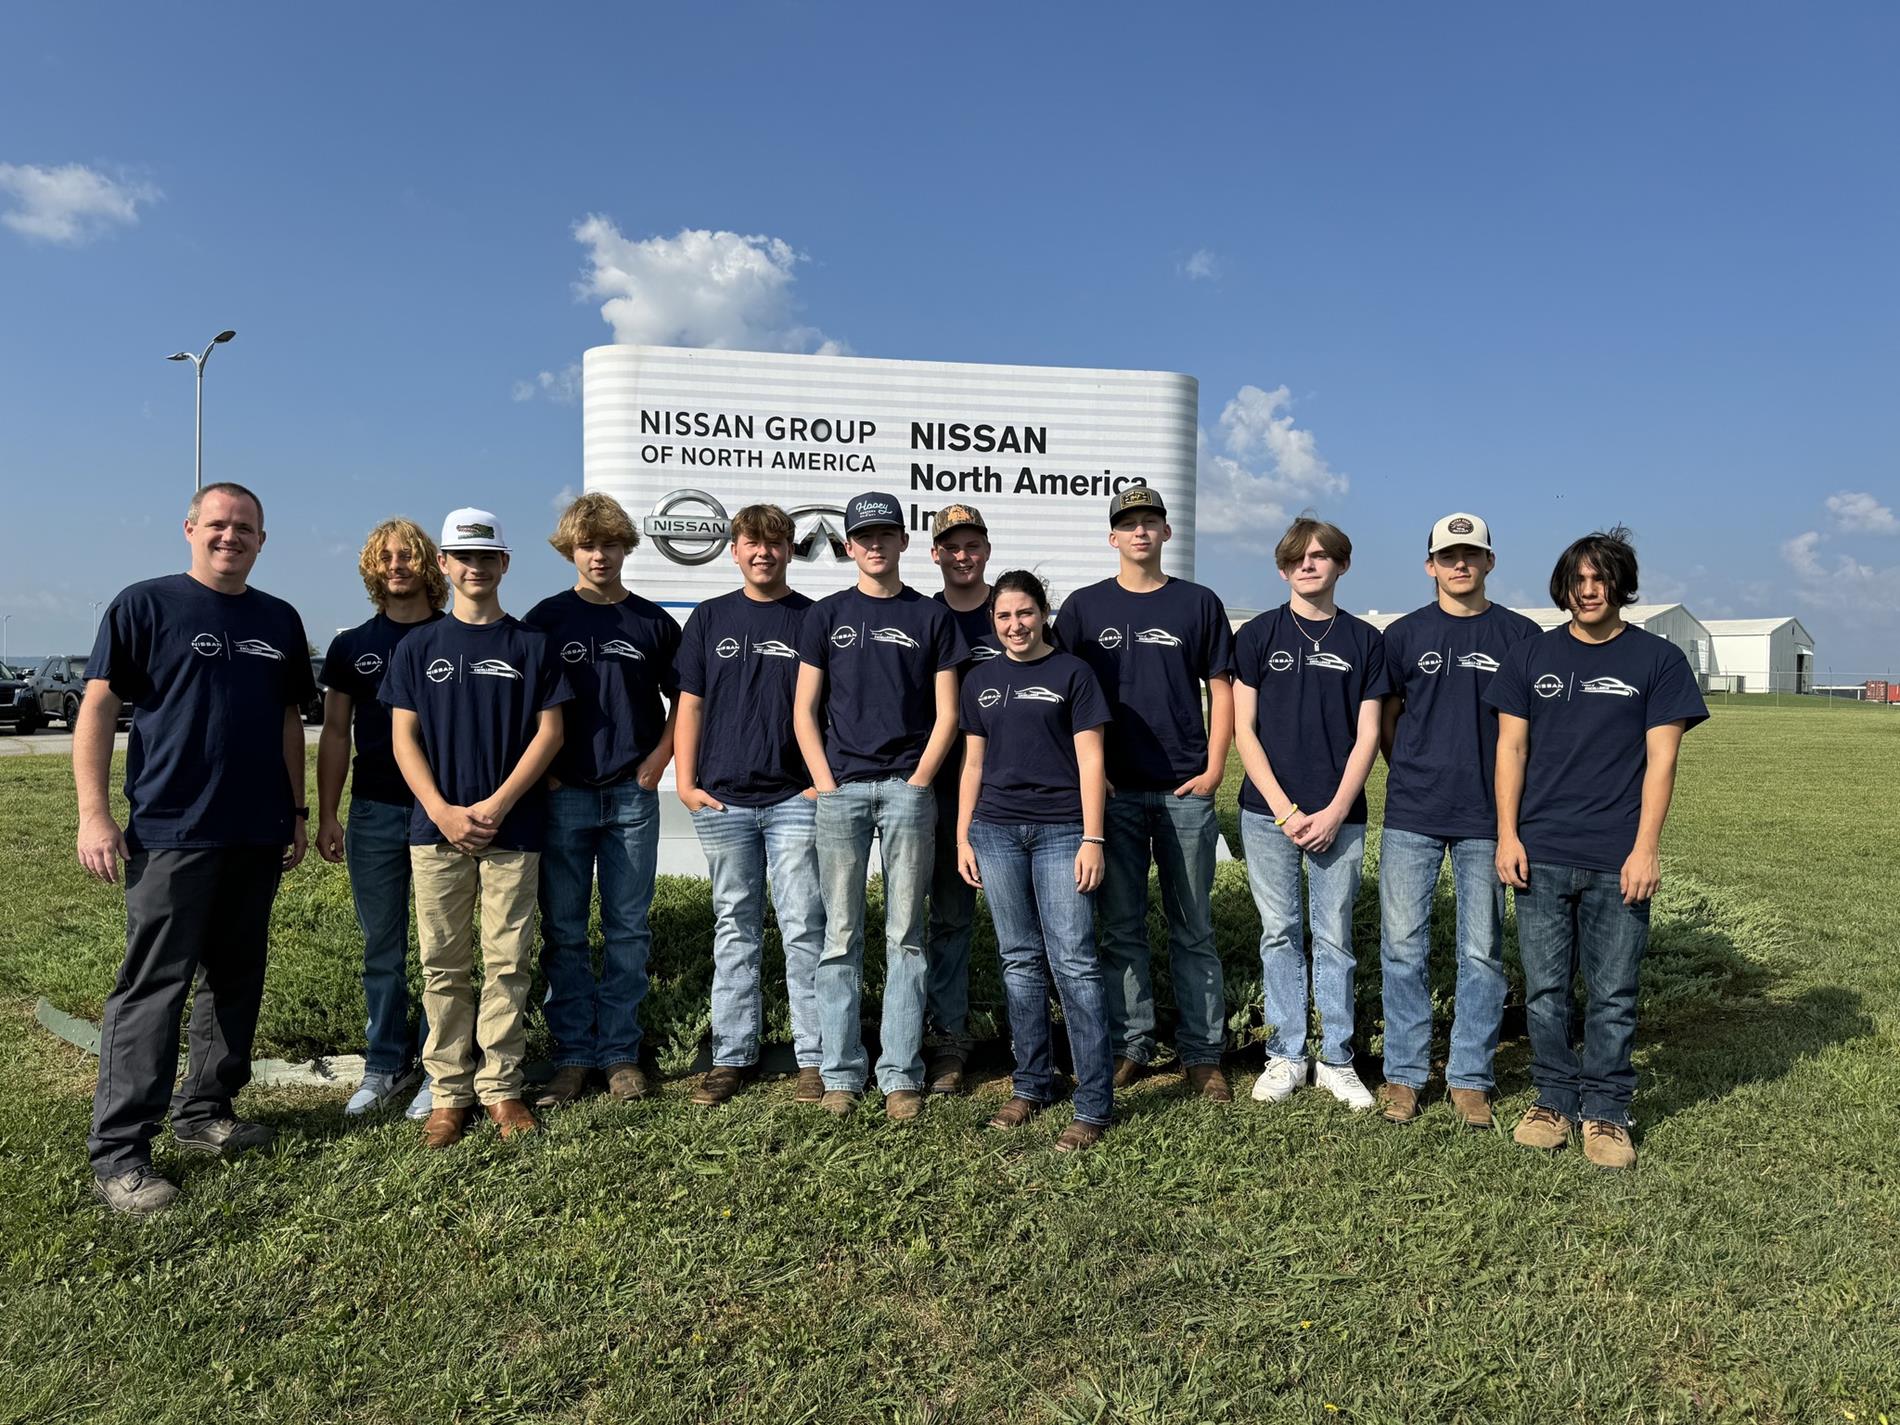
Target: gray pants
<point>204,913</point>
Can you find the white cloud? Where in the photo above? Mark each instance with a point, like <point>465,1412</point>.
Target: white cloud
<point>698,288</point>
<point>1860,593</point>
<point>1859,511</point>
<point>564,497</point>
<point>562,387</point>
<point>1204,265</point>
<point>1263,469</point>
<point>70,205</point>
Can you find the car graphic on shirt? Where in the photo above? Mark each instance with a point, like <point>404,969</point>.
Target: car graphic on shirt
<point>1328,660</point>
<point>775,648</point>
<point>257,648</point>
<point>1157,635</point>
<point>1481,662</point>
<point>492,668</point>
<point>1615,687</point>
<point>1038,695</point>
<point>982,653</point>
<point>892,635</point>
<point>620,648</point>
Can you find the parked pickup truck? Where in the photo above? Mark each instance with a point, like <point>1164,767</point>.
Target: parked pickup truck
<point>18,706</point>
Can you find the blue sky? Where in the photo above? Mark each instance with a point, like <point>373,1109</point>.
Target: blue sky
<point>1562,267</point>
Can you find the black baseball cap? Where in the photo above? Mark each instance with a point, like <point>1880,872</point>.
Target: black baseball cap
<point>1136,499</point>
<point>871,508</point>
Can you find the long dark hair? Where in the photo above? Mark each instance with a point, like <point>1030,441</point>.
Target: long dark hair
<point>1611,554</point>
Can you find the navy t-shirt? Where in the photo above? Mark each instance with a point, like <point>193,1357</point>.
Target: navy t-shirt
<point>1151,653</point>
<point>740,655</point>
<point>619,660</point>
<point>1306,708</point>
<point>208,676</point>
<point>978,630</point>
<point>1445,745</point>
<point>1590,707</point>
<point>354,665</point>
<point>880,658</point>
<point>478,691</point>
<point>1028,714</point>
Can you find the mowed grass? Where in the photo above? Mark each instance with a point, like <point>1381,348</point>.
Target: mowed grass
<point>759,1262</point>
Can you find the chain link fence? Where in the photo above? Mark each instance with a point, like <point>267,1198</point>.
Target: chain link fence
<point>1804,688</point>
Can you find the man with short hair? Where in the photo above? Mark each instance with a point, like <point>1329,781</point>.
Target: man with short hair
<point>960,548</point>
<point>1306,714</point>
<point>217,673</point>
<point>405,583</point>
<point>1440,743</point>
<point>617,650</point>
<point>875,712</point>
<point>1153,643</point>
<point>1590,722</point>
<point>475,718</point>
<point>740,774</point>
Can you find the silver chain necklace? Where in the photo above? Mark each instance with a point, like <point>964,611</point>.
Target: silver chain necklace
<point>1302,627</point>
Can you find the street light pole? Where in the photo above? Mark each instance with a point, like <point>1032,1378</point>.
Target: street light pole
<point>5,619</point>
<point>198,364</point>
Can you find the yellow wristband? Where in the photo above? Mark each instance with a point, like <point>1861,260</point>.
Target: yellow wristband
<point>1292,811</point>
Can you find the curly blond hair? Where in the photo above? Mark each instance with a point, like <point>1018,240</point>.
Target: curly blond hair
<point>422,558</point>
<point>593,519</point>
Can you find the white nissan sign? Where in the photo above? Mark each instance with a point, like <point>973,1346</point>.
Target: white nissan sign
<point>684,438</point>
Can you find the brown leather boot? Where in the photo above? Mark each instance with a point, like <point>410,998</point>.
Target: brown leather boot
<point>1398,1103</point>
<point>627,1082</point>
<point>1079,1136</point>
<point>811,1086</point>
<point>902,1105</point>
<point>511,1116</point>
<point>564,1087</point>
<point>1015,1113</point>
<point>720,1084</point>
<point>945,1071</point>
<point>444,1127</point>
<point>1209,1082</point>
<point>1127,1071</point>
<point>1474,1107</point>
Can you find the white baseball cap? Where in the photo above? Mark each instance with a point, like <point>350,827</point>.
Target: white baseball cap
<point>470,528</point>
<point>1459,529</point>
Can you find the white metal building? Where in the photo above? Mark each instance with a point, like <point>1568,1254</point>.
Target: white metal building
<point>1763,655</point>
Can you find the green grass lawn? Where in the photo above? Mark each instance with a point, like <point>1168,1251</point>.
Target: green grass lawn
<point>759,1262</point>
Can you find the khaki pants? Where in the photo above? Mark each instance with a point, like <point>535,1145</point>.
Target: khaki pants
<point>446,882</point>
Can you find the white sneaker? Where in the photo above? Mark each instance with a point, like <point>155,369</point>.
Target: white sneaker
<point>1342,1082</point>
<point>421,1105</point>
<point>1281,1079</point>
<point>374,1092</point>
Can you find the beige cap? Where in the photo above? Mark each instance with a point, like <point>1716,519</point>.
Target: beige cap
<point>1459,529</point>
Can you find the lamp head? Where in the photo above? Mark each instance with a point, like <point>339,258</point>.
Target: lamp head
<point>179,356</point>
<point>223,336</point>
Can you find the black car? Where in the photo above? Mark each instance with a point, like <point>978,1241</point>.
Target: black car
<point>313,708</point>
<point>18,705</point>
<point>60,686</point>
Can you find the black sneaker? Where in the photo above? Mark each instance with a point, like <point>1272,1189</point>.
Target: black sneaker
<point>225,1137</point>
<point>139,1193</point>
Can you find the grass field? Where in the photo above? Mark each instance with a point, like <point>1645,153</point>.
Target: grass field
<point>759,1262</point>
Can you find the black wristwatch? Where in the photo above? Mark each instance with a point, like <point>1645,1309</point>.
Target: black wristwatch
<point>303,812</point>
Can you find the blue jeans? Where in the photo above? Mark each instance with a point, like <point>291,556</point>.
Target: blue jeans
<point>376,851</point>
<point>743,844</point>
<point>904,819</point>
<point>1568,920</point>
<point>1332,882</point>
<point>1029,880</point>
<point>952,921</point>
<point>1180,833</point>
<point>596,1024</point>
<point>1408,879</point>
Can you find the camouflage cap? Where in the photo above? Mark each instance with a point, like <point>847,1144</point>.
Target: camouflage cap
<point>956,517</point>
